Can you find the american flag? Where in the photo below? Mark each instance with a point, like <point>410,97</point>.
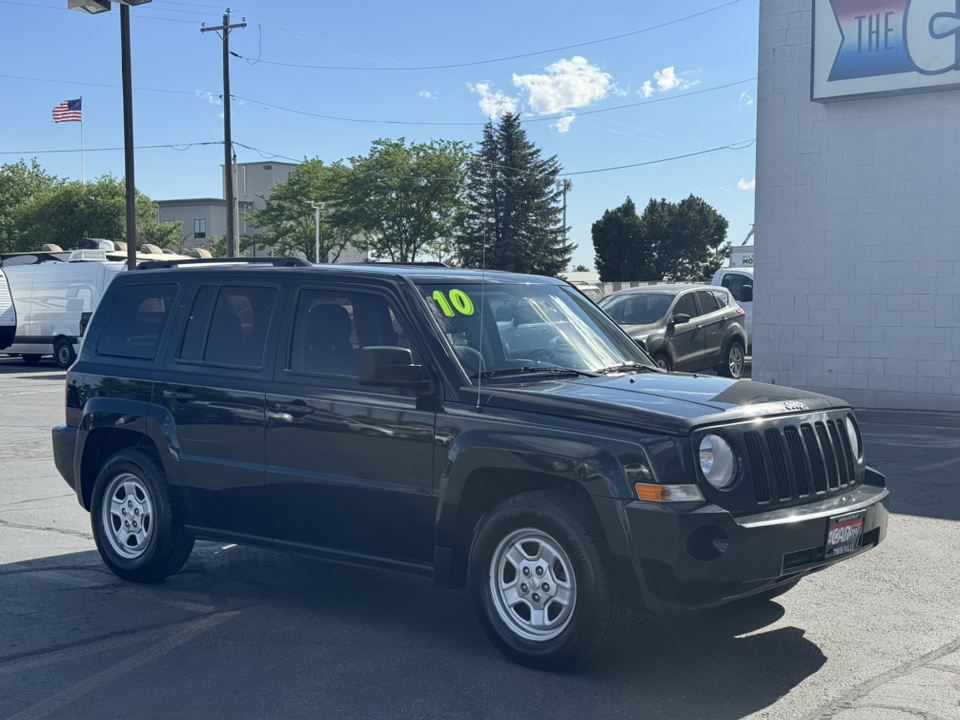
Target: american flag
<point>68,111</point>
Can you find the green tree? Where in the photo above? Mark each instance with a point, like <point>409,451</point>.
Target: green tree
<point>513,220</point>
<point>681,242</point>
<point>19,185</point>
<point>581,268</point>
<point>618,242</point>
<point>63,214</point>
<point>404,200</point>
<point>289,218</point>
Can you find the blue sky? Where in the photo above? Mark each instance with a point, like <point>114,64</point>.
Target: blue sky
<point>557,92</point>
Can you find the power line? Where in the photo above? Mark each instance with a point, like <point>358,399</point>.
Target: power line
<point>743,145</point>
<point>544,118</point>
<point>138,15</point>
<point>93,84</point>
<point>180,147</point>
<point>507,57</point>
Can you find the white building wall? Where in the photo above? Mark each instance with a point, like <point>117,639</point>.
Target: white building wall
<point>858,204</point>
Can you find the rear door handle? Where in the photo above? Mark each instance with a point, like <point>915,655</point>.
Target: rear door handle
<point>294,408</point>
<point>177,395</point>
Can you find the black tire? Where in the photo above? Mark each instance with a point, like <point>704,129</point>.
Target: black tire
<point>31,360</point>
<point>734,360</point>
<point>63,353</point>
<point>165,546</point>
<point>663,361</point>
<point>595,611</point>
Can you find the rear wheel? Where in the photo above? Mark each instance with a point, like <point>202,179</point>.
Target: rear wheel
<point>31,360</point>
<point>136,521</point>
<point>540,579</point>
<point>733,360</point>
<point>63,353</point>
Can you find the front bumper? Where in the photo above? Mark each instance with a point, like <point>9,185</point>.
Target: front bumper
<point>693,559</point>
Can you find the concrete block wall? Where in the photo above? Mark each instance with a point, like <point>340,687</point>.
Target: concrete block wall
<point>857,259</point>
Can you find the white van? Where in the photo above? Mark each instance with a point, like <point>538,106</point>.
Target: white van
<point>44,295</point>
<point>739,281</point>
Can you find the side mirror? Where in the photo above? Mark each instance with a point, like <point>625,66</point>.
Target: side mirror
<point>681,318</point>
<point>389,367</point>
<point>746,293</point>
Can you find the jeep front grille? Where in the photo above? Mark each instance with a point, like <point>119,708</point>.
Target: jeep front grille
<point>795,461</point>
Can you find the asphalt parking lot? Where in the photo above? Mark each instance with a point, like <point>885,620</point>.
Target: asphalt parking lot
<point>249,633</point>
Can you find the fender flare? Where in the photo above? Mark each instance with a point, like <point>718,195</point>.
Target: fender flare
<point>143,418</point>
<point>579,460</point>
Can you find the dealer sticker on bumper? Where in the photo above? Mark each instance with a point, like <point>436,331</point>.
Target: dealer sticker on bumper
<point>844,534</point>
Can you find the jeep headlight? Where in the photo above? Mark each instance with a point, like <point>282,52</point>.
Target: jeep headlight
<point>717,461</point>
<point>854,439</point>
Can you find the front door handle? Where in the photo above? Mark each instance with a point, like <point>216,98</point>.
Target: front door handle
<point>177,395</point>
<point>294,408</point>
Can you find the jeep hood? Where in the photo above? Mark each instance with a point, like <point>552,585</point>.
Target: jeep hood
<point>663,402</point>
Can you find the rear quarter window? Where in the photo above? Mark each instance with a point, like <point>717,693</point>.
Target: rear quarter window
<point>136,320</point>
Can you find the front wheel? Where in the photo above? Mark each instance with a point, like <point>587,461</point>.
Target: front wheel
<point>733,360</point>
<point>540,578</point>
<point>136,521</point>
<point>663,361</point>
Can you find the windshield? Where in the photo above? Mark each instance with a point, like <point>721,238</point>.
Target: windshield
<point>527,328</point>
<point>637,308</point>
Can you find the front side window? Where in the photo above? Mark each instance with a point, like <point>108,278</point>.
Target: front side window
<point>686,305</point>
<point>734,282</point>
<point>331,327</point>
<point>135,323</point>
<point>229,326</point>
<point>498,329</point>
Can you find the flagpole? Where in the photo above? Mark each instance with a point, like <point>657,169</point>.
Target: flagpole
<point>83,169</point>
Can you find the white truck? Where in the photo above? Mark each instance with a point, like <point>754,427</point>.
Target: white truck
<point>43,297</point>
<point>739,281</point>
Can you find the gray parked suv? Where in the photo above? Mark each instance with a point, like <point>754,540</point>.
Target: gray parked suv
<point>683,327</point>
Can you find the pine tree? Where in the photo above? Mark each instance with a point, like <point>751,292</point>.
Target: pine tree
<point>513,220</point>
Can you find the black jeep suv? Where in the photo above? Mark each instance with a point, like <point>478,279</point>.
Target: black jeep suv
<point>483,429</point>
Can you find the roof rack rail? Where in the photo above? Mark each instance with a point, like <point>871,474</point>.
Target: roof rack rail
<point>274,261</point>
<point>433,263</point>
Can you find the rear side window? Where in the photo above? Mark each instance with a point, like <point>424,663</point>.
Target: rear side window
<point>708,301</point>
<point>136,321</point>
<point>228,326</point>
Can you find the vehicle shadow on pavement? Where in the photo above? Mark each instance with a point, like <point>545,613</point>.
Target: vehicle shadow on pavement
<point>243,632</point>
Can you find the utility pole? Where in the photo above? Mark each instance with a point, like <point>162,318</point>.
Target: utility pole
<point>565,186</point>
<point>128,179</point>
<point>227,138</point>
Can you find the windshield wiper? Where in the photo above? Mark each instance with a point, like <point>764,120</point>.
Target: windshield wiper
<point>526,370</point>
<point>629,365</point>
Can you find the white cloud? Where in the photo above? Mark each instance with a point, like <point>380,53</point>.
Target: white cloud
<point>745,100</point>
<point>567,84</point>
<point>493,104</point>
<point>427,95</point>
<point>666,79</point>
<point>209,97</point>
<point>744,185</point>
<point>563,124</point>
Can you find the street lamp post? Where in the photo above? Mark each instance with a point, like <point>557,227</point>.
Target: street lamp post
<point>98,6</point>
<point>317,206</point>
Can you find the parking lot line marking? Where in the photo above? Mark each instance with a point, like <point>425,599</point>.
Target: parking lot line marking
<point>57,702</point>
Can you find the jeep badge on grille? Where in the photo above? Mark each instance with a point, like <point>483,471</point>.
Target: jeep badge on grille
<point>794,405</point>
